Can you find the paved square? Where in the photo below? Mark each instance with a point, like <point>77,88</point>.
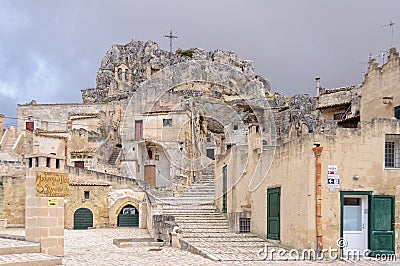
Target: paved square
<point>95,247</point>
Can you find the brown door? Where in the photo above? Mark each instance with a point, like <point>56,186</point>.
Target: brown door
<point>30,126</point>
<point>80,164</point>
<point>138,130</point>
<point>150,174</point>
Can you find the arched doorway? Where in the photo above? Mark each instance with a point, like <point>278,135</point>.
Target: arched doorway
<point>128,216</point>
<point>83,218</point>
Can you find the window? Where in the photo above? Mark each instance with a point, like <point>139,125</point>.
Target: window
<point>244,225</point>
<point>45,125</point>
<point>352,214</point>
<point>47,162</point>
<point>30,162</point>
<point>86,195</point>
<point>392,151</point>
<point>57,163</point>
<point>339,116</point>
<point>210,154</point>
<point>37,161</point>
<point>157,157</point>
<point>167,122</point>
<point>235,127</point>
<point>397,112</point>
<point>138,129</point>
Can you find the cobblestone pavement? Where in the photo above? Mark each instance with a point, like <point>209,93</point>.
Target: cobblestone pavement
<point>95,247</point>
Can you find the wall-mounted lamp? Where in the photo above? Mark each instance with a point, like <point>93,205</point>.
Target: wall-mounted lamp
<point>387,100</point>
<point>356,177</point>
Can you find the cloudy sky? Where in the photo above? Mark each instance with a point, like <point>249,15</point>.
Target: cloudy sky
<point>50,50</point>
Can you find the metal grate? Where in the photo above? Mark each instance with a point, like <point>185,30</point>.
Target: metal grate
<point>244,225</point>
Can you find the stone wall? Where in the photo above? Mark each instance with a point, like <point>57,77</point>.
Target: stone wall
<point>12,200</point>
<point>292,170</point>
<point>12,193</point>
<point>381,82</point>
<point>97,203</point>
<point>358,152</point>
<point>56,115</point>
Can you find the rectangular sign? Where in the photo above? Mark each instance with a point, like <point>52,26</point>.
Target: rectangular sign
<point>333,177</point>
<point>52,202</point>
<point>52,184</point>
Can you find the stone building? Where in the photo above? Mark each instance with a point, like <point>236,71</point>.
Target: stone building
<point>336,180</point>
<point>201,129</point>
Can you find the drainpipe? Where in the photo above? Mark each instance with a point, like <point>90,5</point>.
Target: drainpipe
<point>317,152</point>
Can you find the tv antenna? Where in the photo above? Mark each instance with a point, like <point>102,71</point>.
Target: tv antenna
<point>391,25</point>
<point>170,36</point>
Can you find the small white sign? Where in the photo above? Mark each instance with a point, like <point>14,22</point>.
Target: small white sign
<point>333,177</point>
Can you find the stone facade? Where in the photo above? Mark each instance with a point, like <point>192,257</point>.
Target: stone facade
<point>156,120</point>
<point>358,151</point>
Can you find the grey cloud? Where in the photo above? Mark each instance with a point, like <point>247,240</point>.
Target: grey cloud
<point>290,42</point>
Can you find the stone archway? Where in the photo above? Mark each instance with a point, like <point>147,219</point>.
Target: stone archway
<point>118,206</point>
<point>128,216</point>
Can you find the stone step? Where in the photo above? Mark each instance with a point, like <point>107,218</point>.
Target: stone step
<point>193,230</point>
<point>186,201</point>
<point>199,195</point>
<point>203,224</point>
<point>197,210</point>
<point>31,259</point>
<point>198,215</point>
<point>232,244</point>
<point>194,214</point>
<point>10,246</point>
<point>189,207</point>
<point>201,189</point>
<point>222,239</point>
<point>177,211</point>
<point>197,220</point>
<point>206,187</point>
<point>206,226</point>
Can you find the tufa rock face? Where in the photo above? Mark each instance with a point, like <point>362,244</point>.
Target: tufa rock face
<point>125,67</point>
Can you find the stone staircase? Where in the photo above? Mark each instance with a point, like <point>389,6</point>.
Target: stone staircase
<point>6,148</point>
<point>18,252</point>
<point>114,156</point>
<point>204,230</point>
<point>9,143</point>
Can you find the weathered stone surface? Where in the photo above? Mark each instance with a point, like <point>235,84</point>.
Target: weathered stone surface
<point>125,67</point>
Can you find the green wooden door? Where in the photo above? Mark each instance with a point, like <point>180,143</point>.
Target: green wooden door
<point>83,218</point>
<point>126,220</point>
<point>381,235</point>
<point>128,216</point>
<point>224,189</point>
<point>273,213</point>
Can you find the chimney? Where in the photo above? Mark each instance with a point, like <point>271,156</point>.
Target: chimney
<point>318,85</point>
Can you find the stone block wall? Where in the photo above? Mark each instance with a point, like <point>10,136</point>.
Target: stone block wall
<point>97,203</point>
<point>43,223</point>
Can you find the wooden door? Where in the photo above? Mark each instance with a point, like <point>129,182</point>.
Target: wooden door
<point>381,237</point>
<point>224,190</point>
<point>80,164</point>
<point>150,175</point>
<point>83,218</point>
<point>273,213</point>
